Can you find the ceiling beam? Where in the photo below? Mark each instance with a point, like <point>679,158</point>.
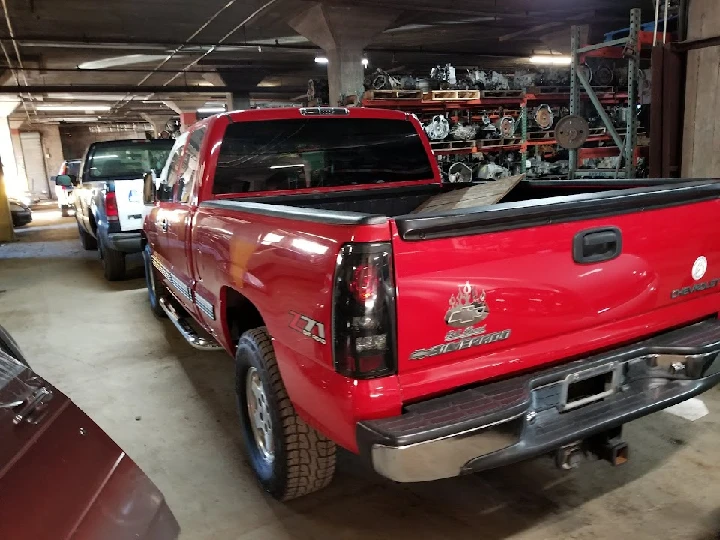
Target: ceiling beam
<point>114,88</point>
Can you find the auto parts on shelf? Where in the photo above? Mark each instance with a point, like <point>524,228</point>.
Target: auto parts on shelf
<point>438,129</point>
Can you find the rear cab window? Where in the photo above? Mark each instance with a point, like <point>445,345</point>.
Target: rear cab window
<point>125,160</point>
<point>280,155</point>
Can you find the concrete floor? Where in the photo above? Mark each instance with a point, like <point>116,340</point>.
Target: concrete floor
<point>172,409</point>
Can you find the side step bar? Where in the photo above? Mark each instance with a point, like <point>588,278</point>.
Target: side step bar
<point>186,330</point>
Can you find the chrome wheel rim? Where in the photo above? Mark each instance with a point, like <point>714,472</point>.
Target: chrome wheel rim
<point>259,414</point>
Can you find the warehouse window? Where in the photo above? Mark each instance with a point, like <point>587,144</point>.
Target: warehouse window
<point>319,152</point>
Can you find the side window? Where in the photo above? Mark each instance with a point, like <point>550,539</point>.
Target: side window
<point>166,187</point>
<point>191,164</point>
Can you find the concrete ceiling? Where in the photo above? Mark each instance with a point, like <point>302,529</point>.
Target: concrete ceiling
<point>152,51</point>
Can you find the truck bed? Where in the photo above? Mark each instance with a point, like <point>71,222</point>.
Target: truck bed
<point>396,202</point>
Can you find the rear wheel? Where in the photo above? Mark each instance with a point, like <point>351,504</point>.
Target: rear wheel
<point>86,239</point>
<point>290,459</point>
<point>155,287</point>
<point>113,262</point>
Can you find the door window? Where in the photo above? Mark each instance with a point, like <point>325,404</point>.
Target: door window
<point>170,175</point>
<point>191,164</point>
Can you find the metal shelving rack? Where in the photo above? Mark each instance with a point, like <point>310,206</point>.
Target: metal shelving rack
<point>631,46</point>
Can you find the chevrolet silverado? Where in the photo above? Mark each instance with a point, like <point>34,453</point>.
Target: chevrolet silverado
<point>433,344</point>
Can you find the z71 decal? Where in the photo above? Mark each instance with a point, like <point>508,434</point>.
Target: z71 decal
<point>308,327</point>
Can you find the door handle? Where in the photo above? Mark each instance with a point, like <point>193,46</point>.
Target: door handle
<point>164,225</point>
<point>597,245</point>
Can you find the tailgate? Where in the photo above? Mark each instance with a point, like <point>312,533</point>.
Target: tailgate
<point>502,289</point>
<point>129,196</point>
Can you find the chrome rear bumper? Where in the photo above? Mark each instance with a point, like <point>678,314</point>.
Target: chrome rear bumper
<point>519,418</point>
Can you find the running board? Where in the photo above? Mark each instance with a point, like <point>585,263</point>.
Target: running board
<point>186,330</point>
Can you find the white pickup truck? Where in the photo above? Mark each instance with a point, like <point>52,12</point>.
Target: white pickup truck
<point>109,200</point>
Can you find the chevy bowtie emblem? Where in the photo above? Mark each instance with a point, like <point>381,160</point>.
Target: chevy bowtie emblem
<point>467,308</point>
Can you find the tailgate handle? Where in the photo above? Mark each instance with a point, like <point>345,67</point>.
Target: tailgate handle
<point>597,245</point>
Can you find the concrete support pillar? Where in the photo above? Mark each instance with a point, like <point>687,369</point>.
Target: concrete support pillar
<point>158,122</point>
<point>52,147</point>
<point>21,179</point>
<point>701,137</point>
<point>342,32</point>
<point>187,109</point>
<point>238,101</point>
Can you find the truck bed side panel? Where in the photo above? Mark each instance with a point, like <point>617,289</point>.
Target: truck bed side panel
<point>286,269</point>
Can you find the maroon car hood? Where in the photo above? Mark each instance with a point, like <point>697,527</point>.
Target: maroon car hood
<point>62,477</point>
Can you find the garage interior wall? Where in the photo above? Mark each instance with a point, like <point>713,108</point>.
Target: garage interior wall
<point>701,139</point>
<point>77,139</point>
<point>34,160</point>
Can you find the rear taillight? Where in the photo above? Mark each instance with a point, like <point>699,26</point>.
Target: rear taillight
<point>111,207</point>
<point>364,312</point>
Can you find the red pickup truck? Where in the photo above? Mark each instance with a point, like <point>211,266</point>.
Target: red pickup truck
<point>432,344</point>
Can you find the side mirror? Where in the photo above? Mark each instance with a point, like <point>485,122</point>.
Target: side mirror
<point>149,192</point>
<point>64,180</point>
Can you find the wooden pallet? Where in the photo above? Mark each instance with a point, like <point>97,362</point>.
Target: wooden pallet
<point>485,143</point>
<point>503,93</point>
<point>452,145</point>
<point>454,95</point>
<point>540,90</point>
<point>394,94</point>
<point>484,194</point>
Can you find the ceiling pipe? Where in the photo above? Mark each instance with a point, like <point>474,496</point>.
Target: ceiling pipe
<point>223,39</point>
<point>17,54</point>
<point>177,49</point>
<point>114,88</point>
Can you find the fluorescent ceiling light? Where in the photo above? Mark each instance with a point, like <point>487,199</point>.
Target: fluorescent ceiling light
<point>286,166</point>
<point>87,107</point>
<point>87,119</point>
<point>324,60</point>
<point>125,60</point>
<point>551,60</point>
<point>90,97</point>
<point>211,110</point>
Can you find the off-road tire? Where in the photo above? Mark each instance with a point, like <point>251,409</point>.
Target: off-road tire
<point>113,262</point>
<point>304,460</point>
<point>88,241</point>
<point>156,289</point>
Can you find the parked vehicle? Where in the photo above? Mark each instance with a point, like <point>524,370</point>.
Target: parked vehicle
<point>432,344</point>
<point>61,475</point>
<point>65,182</point>
<point>20,212</point>
<point>109,200</point>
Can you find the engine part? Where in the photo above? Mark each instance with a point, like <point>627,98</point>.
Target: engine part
<point>603,76</point>
<point>506,126</point>
<point>438,128</point>
<point>555,77</point>
<point>490,80</point>
<point>423,84</point>
<point>459,172</point>
<point>464,133</point>
<point>408,83</point>
<point>587,71</point>
<point>544,117</point>
<point>445,75</point>
<point>492,171</point>
<point>382,80</point>
<point>572,131</point>
<point>524,79</point>
<point>318,91</point>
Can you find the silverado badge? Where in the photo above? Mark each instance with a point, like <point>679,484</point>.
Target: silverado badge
<point>467,308</point>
